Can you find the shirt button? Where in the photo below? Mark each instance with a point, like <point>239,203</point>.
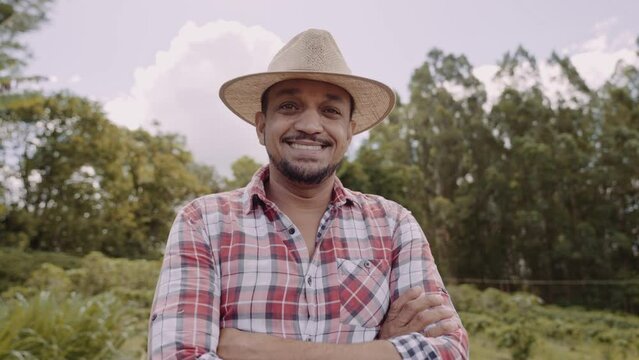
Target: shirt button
<point>291,231</point>
<point>308,339</point>
<point>367,264</point>
<point>309,281</point>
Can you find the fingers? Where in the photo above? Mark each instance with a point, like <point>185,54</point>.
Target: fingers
<point>430,316</point>
<point>415,307</point>
<point>397,305</point>
<point>442,328</point>
<point>419,311</point>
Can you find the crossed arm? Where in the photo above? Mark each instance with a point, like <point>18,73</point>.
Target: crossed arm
<point>411,312</point>
<point>185,314</point>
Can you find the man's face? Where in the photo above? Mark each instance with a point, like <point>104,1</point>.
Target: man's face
<point>306,129</point>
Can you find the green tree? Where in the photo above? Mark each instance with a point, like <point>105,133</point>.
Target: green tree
<point>86,184</point>
<point>18,17</point>
<point>540,185</point>
<point>243,170</point>
<point>421,156</point>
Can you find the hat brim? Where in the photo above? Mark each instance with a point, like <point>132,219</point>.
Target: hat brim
<point>373,100</point>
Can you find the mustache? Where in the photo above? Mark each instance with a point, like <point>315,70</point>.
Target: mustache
<point>317,139</point>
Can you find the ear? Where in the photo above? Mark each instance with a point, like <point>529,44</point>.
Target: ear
<point>260,123</point>
<point>351,130</point>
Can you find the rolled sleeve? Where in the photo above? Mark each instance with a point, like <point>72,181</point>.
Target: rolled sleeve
<point>414,266</point>
<point>184,320</point>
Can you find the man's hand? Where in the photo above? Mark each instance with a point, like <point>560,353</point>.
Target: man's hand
<point>418,311</point>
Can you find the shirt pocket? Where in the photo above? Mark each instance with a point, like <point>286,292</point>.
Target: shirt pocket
<point>364,291</point>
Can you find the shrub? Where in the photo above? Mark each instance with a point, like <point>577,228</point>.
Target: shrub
<point>17,265</point>
<point>100,273</point>
<point>519,321</point>
<point>46,327</point>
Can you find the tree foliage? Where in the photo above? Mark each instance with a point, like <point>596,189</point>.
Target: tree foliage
<point>18,17</point>
<point>537,185</point>
<point>80,183</point>
<point>243,170</point>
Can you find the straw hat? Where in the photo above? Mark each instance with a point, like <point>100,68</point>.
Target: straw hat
<point>311,55</point>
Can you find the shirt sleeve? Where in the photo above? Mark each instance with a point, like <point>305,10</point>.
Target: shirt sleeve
<point>185,314</point>
<point>413,265</point>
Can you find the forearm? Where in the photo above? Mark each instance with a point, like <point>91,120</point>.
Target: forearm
<point>236,344</point>
<point>290,349</point>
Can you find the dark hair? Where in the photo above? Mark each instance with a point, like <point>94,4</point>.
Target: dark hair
<point>264,101</point>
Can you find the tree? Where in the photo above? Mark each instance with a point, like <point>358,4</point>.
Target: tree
<point>85,184</point>
<point>540,185</point>
<point>18,17</point>
<point>243,170</point>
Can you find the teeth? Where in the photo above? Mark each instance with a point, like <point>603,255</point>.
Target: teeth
<point>306,147</point>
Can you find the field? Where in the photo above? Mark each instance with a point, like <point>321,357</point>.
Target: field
<point>57,306</point>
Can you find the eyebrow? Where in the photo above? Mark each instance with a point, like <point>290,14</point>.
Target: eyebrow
<point>296,91</point>
<point>287,91</point>
<point>335,98</point>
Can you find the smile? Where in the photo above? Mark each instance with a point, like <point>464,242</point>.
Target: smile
<point>306,147</point>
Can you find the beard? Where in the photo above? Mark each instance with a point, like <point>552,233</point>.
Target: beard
<point>303,175</point>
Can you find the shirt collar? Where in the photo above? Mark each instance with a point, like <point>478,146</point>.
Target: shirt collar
<point>254,193</point>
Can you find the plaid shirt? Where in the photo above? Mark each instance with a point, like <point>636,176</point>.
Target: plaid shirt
<point>235,260</point>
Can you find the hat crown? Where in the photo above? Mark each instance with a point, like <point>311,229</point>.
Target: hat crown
<point>312,50</point>
<point>312,55</point>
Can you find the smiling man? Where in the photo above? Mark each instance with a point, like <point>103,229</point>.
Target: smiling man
<point>296,266</point>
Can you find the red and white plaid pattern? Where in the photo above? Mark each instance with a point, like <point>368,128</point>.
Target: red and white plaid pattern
<point>234,260</point>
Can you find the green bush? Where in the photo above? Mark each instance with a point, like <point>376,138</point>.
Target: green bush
<point>109,299</point>
<point>17,265</point>
<point>94,294</point>
<point>47,327</point>
<point>521,323</point>
<point>100,273</point>
<point>48,278</point>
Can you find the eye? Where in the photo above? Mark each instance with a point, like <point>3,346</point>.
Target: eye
<point>288,106</point>
<point>332,111</point>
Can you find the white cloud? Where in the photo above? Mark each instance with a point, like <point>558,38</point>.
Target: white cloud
<point>486,74</point>
<point>75,79</point>
<point>180,90</point>
<point>595,59</point>
<point>605,25</point>
<point>597,66</point>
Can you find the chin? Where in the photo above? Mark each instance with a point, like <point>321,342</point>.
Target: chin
<point>305,173</point>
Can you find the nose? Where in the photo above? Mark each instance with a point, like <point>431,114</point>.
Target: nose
<point>309,122</point>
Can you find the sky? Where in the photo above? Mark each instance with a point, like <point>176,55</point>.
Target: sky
<point>158,60</point>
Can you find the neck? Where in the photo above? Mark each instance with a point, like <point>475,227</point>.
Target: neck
<point>289,194</point>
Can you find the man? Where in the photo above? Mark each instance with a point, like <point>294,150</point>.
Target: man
<point>295,265</point>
